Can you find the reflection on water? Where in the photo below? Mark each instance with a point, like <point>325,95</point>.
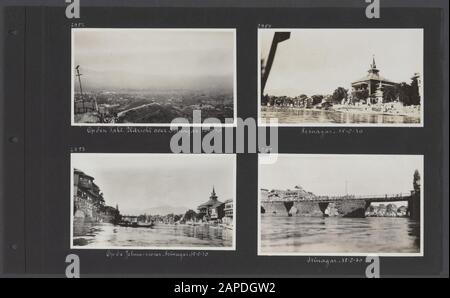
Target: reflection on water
<point>298,116</point>
<point>161,235</point>
<point>339,235</point>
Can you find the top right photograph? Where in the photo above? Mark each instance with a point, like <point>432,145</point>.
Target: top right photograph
<point>341,77</point>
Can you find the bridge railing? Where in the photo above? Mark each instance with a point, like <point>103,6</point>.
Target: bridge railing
<point>390,197</point>
<point>387,196</point>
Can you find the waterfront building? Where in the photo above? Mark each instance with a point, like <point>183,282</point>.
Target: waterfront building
<point>88,199</point>
<point>228,212</point>
<point>213,209</point>
<point>372,84</point>
<point>86,189</point>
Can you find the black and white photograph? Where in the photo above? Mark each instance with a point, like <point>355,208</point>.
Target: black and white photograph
<point>341,205</point>
<point>153,201</point>
<point>149,77</point>
<point>341,77</point>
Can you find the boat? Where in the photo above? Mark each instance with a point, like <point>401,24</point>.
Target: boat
<point>145,224</point>
<point>136,224</point>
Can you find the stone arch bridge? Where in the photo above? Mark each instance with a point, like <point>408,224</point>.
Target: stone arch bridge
<point>289,203</point>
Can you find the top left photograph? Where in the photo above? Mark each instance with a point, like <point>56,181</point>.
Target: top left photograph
<point>152,77</point>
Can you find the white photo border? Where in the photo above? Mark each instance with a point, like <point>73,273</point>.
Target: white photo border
<point>174,248</point>
<point>72,81</point>
<point>354,254</point>
<point>312,124</point>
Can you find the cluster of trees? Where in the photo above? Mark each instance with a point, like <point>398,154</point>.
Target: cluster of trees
<point>405,93</point>
<point>190,215</point>
<point>304,100</point>
<point>408,94</point>
<point>298,101</point>
<point>169,218</point>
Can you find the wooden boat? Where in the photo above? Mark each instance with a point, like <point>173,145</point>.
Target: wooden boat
<point>136,224</point>
<point>145,224</point>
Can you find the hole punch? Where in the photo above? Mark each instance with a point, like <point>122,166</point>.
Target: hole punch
<point>14,140</point>
<point>14,32</point>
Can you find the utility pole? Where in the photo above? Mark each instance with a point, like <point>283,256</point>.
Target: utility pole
<point>81,87</point>
<point>79,79</point>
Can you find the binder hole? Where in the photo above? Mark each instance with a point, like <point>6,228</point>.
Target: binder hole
<point>14,246</point>
<point>14,140</point>
<point>13,32</point>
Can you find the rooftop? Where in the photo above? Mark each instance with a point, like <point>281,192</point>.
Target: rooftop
<point>372,75</point>
<point>212,202</point>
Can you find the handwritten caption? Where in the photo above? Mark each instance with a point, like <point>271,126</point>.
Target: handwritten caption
<point>127,254</point>
<point>332,131</point>
<point>335,260</point>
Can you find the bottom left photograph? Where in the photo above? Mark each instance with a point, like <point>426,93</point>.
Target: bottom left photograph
<point>153,201</point>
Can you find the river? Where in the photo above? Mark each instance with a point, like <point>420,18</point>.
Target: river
<point>104,235</point>
<point>283,234</point>
<point>304,116</point>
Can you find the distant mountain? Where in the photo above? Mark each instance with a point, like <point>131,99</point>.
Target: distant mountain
<point>164,210</point>
<point>152,83</point>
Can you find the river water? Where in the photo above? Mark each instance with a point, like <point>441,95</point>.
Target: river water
<point>104,235</point>
<point>299,116</point>
<point>282,234</point>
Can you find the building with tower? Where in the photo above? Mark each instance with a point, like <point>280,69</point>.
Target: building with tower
<point>213,209</point>
<point>228,212</point>
<point>372,84</point>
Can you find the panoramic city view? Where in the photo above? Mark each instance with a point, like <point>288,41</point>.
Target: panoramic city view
<point>329,77</point>
<point>329,207</point>
<point>153,201</point>
<point>152,76</point>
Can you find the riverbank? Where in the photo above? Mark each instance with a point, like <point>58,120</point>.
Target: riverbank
<point>394,109</point>
<point>382,109</point>
<point>340,114</point>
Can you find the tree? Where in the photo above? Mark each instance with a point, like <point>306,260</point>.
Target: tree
<point>200,216</point>
<point>416,181</point>
<point>301,100</point>
<point>190,215</point>
<point>339,94</point>
<point>404,93</point>
<point>414,92</point>
<point>316,99</point>
<point>177,217</point>
<point>303,96</point>
<point>390,93</point>
<point>361,94</point>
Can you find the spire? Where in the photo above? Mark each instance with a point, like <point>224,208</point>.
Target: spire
<point>373,66</point>
<point>213,194</point>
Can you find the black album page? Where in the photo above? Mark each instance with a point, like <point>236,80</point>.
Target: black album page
<point>224,140</point>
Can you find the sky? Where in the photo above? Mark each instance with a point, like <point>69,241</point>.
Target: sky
<point>317,61</point>
<point>146,59</point>
<point>141,181</point>
<point>328,174</point>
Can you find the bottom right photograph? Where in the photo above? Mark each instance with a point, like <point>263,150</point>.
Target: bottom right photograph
<point>327,204</point>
